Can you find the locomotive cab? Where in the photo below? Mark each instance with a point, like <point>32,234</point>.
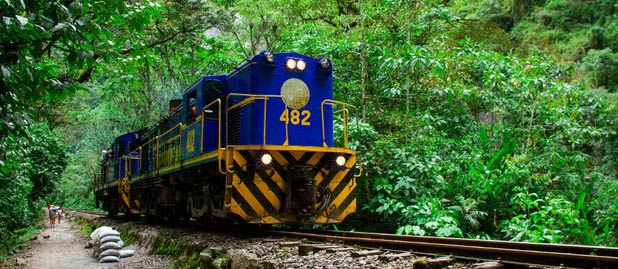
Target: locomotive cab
<point>122,159</point>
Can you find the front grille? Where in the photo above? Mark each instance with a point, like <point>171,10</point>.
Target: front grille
<point>233,136</point>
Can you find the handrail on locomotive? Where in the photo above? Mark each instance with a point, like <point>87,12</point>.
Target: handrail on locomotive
<point>345,118</point>
<point>250,98</point>
<point>179,136</point>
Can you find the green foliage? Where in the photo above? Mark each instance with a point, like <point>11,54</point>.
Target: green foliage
<point>19,237</point>
<point>427,217</point>
<point>543,225</point>
<point>601,67</point>
<point>489,32</point>
<point>49,49</point>
<point>569,30</point>
<point>131,91</point>
<point>30,167</point>
<point>484,128</point>
<point>86,228</point>
<point>471,122</point>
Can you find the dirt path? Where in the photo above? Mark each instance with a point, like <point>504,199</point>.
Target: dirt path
<point>63,249</point>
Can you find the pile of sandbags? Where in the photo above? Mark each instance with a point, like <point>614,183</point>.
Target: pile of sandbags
<point>107,244</point>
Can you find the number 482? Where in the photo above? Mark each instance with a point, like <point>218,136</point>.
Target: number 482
<point>295,116</point>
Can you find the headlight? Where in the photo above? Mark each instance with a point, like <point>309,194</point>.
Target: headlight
<point>324,63</point>
<point>290,64</point>
<point>266,159</point>
<point>340,160</point>
<point>301,65</point>
<point>270,58</point>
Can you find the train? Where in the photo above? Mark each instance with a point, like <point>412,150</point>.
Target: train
<point>256,145</point>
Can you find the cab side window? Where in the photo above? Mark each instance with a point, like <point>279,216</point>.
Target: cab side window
<point>190,106</point>
<point>213,90</point>
<point>192,111</point>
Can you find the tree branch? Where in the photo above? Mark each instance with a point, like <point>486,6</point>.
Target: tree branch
<point>164,40</point>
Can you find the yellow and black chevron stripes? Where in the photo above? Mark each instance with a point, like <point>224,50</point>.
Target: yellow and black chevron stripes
<point>343,191</point>
<point>259,196</point>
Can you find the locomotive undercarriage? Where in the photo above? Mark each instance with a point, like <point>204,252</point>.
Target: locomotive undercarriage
<point>181,197</point>
<point>303,194</point>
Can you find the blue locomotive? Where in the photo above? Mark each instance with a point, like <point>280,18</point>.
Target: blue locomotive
<point>255,145</point>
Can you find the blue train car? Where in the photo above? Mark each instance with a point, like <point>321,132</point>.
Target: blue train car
<point>254,145</point>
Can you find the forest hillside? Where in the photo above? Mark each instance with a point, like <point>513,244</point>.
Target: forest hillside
<point>478,119</point>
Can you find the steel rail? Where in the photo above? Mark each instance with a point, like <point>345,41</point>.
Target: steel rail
<point>102,214</point>
<point>564,248</point>
<point>467,248</point>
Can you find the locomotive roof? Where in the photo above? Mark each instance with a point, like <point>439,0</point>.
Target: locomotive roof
<point>130,136</point>
<point>260,56</point>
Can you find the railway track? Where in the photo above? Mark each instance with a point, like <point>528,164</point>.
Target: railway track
<point>101,214</point>
<point>510,253</point>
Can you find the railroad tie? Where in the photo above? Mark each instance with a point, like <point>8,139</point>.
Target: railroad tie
<point>305,249</point>
<point>392,257</point>
<point>435,263</point>
<point>339,249</point>
<point>488,265</point>
<point>288,243</point>
<point>364,253</point>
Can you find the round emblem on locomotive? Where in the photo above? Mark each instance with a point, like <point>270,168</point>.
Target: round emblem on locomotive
<point>295,92</point>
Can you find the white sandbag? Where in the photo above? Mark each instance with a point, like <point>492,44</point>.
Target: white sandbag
<point>120,243</point>
<point>95,234</point>
<point>109,245</point>
<point>110,252</point>
<point>126,253</point>
<point>109,259</point>
<point>109,238</point>
<point>110,232</point>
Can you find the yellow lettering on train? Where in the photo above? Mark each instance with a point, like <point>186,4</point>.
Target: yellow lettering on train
<point>294,117</point>
<point>190,140</point>
<point>170,153</point>
<point>177,151</point>
<point>306,115</point>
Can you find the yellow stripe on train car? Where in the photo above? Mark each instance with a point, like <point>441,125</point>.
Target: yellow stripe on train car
<point>294,148</point>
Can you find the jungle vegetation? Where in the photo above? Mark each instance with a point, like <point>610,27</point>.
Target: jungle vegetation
<point>479,119</point>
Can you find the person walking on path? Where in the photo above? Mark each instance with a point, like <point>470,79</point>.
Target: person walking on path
<point>60,213</point>
<point>53,213</point>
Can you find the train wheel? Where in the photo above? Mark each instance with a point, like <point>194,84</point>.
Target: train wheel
<point>152,208</point>
<point>112,207</point>
<point>112,213</point>
<point>180,208</point>
<point>202,212</point>
<point>193,209</point>
<point>131,216</point>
